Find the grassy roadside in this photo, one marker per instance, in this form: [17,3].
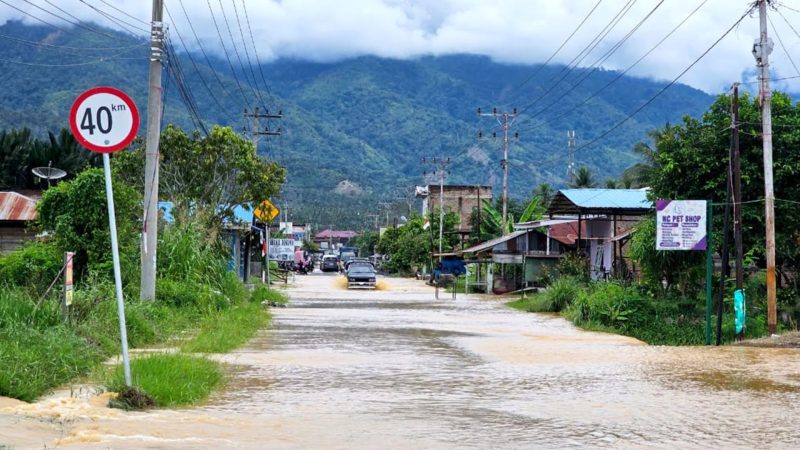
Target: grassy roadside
[226,330]
[629,310]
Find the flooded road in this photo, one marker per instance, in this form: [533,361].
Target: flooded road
[397,369]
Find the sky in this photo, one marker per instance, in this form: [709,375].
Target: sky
[508,31]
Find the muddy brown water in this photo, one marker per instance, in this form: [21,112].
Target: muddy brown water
[396,368]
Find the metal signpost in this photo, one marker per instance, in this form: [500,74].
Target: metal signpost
[105,120]
[686,225]
[266,212]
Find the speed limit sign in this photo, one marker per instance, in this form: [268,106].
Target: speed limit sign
[104,119]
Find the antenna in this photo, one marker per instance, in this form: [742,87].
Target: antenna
[49,173]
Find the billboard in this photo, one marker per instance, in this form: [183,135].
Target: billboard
[281,249]
[681,225]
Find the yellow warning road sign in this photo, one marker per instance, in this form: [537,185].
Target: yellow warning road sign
[266,211]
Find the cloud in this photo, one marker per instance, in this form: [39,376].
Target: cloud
[515,31]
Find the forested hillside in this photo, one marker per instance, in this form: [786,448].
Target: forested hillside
[365,120]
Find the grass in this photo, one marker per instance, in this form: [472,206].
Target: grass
[534,303]
[171,379]
[261,293]
[228,329]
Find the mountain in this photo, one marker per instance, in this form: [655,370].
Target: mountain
[354,131]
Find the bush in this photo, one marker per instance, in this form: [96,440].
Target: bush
[171,379]
[574,265]
[562,292]
[35,265]
[262,294]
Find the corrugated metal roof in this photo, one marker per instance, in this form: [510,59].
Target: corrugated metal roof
[345,234]
[598,201]
[488,244]
[16,207]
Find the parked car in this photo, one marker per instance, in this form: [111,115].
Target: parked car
[329,264]
[361,275]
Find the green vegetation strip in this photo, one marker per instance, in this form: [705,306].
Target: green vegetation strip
[171,379]
[228,329]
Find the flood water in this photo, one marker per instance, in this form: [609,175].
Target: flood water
[396,368]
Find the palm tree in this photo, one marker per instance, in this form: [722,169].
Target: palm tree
[611,183]
[544,192]
[583,179]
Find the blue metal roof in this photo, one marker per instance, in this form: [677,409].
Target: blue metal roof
[600,199]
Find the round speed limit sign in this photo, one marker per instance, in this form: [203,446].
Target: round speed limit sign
[104,119]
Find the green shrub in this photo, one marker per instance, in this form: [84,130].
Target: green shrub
[261,293]
[35,265]
[225,330]
[535,303]
[575,265]
[171,379]
[562,292]
[178,293]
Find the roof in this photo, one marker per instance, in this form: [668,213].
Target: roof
[16,207]
[491,243]
[543,223]
[333,234]
[600,201]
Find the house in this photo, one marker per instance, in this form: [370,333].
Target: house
[331,239]
[604,223]
[460,199]
[17,211]
[517,260]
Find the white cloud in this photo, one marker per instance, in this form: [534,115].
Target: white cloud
[519,31]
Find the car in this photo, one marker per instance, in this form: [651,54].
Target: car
[357,261]
[329,264]
[361,276]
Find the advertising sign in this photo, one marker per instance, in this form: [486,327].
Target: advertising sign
[281,249]
[681,225]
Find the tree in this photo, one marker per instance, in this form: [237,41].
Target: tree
[690,161]
[209,174]
[545,193]
[75,213]
[411,246]
[583,179]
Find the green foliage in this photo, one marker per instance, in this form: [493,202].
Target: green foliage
[76,212]
[664,271]
[538,303]
[410,246]
[562,292]
[35,265]
[584,179]
[208,175]
[171,379]
[574,264]
[223,331]
[263,294]
[366,241]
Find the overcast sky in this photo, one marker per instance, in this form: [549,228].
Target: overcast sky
[518,31]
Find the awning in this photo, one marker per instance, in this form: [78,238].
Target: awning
[491,243]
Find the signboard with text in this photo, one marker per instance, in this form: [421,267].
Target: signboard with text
[681,225]
[281,249]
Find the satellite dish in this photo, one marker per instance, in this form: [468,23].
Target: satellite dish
[49,173]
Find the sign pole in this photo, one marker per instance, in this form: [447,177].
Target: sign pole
[112,222]
[709,273]
[266,257]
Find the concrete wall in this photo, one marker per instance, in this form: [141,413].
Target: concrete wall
[459,199]
[14,234]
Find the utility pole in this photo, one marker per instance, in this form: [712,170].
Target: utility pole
[154,104]
[737,195]
[761,51]
[256,132]
[505,119]
[442,164]
[571,141]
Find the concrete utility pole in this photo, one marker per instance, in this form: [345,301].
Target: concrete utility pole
[154,104]
[571,141]
[256,132]
[505,119]
[761,50]
[442,163]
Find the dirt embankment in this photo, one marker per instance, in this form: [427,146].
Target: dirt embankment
[790,339]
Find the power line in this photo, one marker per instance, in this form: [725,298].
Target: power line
[588,71]
[255,50]
[225,50]
[236,50]
[78,24]
[175,69]
[75,50]
[247,54]
[621,74]
[120,22]
[553,55]
[125,13]
[196,68]
[205,55]
[670,84]
[781,40]
[567,69]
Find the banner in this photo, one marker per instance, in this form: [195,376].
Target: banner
[281,249]
[681,225]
